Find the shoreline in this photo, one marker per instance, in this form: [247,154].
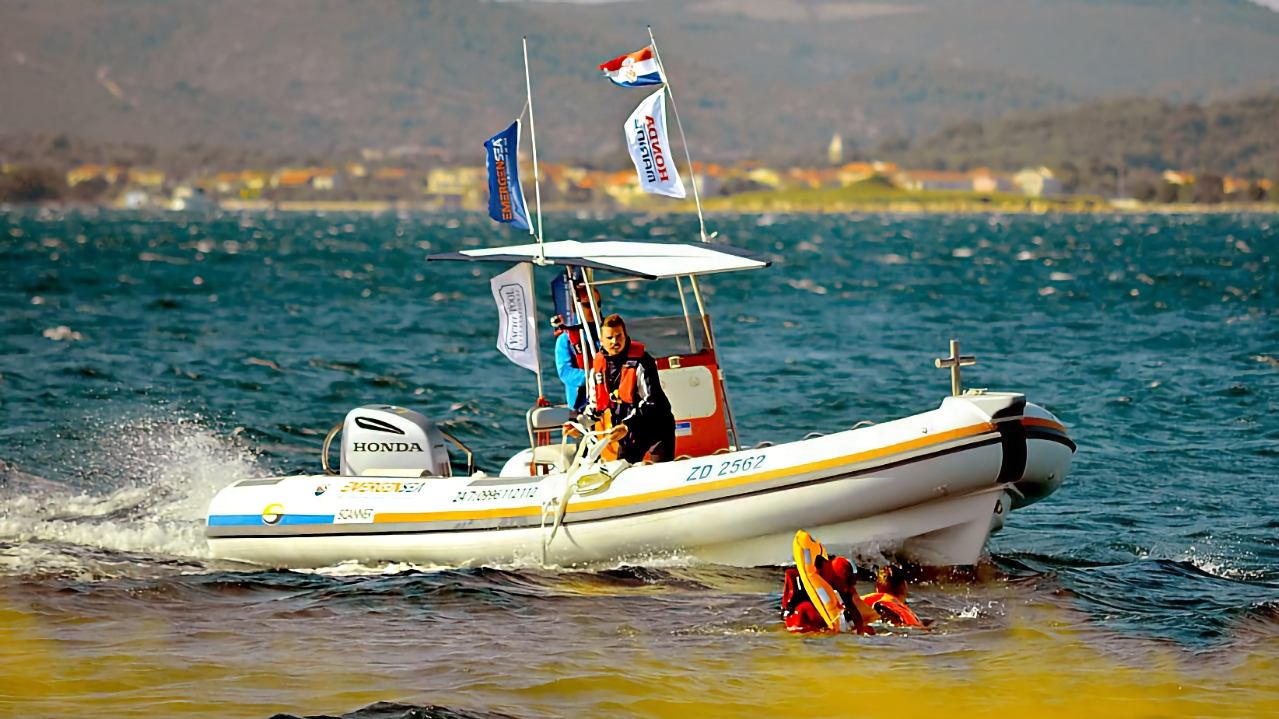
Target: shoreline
[716,207]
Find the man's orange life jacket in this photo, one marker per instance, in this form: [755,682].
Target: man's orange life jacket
[625,392]
[899,613]
[575,348]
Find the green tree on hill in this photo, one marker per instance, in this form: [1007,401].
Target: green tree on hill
[1089,145]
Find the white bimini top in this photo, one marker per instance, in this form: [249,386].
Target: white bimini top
[646,260]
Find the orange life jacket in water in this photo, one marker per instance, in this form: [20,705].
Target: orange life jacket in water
[625,392]
[892,609]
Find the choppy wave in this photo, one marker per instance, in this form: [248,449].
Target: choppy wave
[150,359]
[137,486]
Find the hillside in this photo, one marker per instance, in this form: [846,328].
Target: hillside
[1236,137]
[767,79]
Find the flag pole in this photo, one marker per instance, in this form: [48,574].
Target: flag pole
[701,219]
[541,395]
[537,184]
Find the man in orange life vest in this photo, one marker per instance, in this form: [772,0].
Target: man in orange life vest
[627,387]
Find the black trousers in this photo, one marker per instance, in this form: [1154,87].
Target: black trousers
[660,443]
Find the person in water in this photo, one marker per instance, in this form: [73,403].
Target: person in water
[821,572]
[800,614]
[889,598]
[629,397]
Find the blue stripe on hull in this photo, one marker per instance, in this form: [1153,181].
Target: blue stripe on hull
[255,520]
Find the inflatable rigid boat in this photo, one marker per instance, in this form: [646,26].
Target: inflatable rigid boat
[929,487]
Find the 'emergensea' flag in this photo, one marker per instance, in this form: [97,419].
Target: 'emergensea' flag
[634,70]
[506,198]
[650,149]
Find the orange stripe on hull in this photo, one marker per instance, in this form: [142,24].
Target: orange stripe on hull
[1040,422]
[798,469]
[914,444]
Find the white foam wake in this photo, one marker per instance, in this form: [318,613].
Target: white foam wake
[135,486]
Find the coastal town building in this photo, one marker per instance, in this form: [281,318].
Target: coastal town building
[1037,182]
[920,180]
[110,174]
[418,182]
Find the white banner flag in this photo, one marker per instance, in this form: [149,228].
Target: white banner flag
[517,337]
[650,149]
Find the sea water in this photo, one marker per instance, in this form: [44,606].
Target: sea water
[149,359]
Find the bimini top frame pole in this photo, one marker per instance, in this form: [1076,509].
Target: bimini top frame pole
[688,321]
[710,341]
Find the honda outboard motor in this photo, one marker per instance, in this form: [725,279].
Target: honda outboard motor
[385,437]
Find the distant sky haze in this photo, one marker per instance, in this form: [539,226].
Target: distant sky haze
[1272,4]
[345,75]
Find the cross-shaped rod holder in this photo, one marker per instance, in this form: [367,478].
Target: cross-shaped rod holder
[954,362]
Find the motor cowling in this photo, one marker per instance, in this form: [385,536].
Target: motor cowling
[385,437]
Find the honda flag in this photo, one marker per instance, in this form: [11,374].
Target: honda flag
[650,150]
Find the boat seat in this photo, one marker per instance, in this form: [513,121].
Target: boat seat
[556,456]
[545,420]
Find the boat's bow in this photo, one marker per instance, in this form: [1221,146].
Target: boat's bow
[1037,449]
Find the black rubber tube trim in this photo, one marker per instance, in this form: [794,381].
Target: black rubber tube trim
[1012,437]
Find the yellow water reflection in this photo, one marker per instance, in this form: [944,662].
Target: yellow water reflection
[1037,665]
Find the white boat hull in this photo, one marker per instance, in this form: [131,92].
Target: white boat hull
[924,487]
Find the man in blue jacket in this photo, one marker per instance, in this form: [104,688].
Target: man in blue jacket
[570,364]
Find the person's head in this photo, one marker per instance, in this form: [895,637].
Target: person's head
[889,580]
[613,335]
[588,315]
[843,576]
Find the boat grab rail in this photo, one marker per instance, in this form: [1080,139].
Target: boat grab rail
[859,425]
[470,456]
[324,450]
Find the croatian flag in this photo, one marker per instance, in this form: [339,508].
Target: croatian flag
[634,70]
[506,198]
